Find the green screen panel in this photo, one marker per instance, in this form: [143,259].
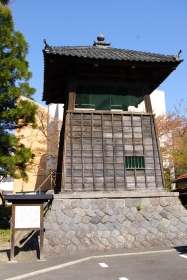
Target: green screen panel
[116,101]
[84,101]
[106,101]
[101,101]
[134,162]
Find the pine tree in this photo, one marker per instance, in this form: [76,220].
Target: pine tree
[15,111]
[4,2]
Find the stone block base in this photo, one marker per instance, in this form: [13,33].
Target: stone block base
[103,221]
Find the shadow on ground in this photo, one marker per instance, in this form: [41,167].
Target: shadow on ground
[29,247]
[181,249]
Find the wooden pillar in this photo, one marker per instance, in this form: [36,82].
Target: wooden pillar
[69,105]
[159,152]
[71,100]
[148,106]
[71,95]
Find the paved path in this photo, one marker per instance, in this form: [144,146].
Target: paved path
[149,265]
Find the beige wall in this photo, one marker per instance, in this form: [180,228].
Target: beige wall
[36,139]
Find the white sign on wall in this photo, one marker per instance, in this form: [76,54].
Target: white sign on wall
[27,216]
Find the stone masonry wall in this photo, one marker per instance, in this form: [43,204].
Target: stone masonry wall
[75,224]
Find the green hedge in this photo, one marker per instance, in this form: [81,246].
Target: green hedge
[5,215]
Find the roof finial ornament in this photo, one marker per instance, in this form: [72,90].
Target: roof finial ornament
[178,55]
[101,41]
[45,43]
[101,37]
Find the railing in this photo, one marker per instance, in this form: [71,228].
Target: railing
[52,178]
[41,181]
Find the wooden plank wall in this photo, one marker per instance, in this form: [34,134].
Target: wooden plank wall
[95,149]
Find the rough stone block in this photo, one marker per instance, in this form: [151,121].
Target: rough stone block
[132,202]
[114,223]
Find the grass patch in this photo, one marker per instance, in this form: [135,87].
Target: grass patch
[4,235]
[5,215]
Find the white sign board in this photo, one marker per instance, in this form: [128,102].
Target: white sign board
[27,216]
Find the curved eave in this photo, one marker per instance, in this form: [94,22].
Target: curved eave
[50,66]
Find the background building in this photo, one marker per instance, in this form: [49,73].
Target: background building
[36,139]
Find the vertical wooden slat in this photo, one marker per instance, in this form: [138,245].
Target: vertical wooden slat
[71,145]
[93,174]
[83,186]
[123,142]
[112,116]
[104,183]
[143,144]
[154,152]
[132,125]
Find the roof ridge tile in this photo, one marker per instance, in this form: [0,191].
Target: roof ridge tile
[110,53]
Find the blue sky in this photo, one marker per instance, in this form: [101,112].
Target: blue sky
[147,25]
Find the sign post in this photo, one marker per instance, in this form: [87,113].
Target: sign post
[27,214]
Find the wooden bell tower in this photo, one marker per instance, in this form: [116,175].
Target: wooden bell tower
[104,144]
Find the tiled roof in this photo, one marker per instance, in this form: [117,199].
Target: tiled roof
[182,177]
[108,53]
